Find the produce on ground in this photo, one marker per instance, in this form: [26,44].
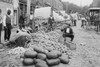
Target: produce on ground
[42,47]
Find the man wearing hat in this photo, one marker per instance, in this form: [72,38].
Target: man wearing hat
[50,22]
[7,25]
[68,32]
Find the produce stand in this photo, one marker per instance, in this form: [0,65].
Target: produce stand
[41,16]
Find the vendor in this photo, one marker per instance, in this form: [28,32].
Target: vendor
[50,22]
[68,32]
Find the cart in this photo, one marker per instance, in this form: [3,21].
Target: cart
[94,14]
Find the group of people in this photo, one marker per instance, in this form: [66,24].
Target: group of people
[25,27]
[5,22]
[67,30]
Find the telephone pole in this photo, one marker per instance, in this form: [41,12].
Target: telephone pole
[28,10]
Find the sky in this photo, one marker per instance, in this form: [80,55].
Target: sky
[80,2]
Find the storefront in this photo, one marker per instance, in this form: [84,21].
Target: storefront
[23,5]
[4,6]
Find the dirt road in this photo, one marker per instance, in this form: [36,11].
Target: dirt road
[88,48]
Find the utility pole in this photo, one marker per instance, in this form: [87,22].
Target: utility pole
[28,10]
[81,5]
[15,8]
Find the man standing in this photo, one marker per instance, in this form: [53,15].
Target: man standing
[32,23]
[21,21]
[7,25]
[0,24]
[50,21]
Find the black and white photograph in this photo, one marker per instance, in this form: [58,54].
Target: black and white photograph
[49,33]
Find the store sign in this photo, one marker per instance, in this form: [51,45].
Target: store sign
[16,4]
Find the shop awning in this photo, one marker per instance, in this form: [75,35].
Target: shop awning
[43,12]
[57,17]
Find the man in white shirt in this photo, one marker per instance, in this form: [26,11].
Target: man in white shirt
[31,21]
[0,24]
[68,32]
[7,25]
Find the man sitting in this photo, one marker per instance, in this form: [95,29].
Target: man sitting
[68,32]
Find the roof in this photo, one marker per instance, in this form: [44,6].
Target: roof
[95,8]
[25,1]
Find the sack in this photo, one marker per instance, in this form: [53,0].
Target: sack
[52,62]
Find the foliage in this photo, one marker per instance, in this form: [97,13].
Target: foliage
[70,7]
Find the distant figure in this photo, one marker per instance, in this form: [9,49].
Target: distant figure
[72,21]
[50,22]
[0,24]
[31,18]
[74,18]
[21,21]
[83,20]
[32,23]
[68,32]
[7,25]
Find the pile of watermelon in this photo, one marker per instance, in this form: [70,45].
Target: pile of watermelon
[39,57]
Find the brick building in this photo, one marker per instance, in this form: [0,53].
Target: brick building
[8,4]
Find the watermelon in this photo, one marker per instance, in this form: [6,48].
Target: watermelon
[39,50]
[30,54]
[52,55]
[52,62]
[41,56]
[28,61]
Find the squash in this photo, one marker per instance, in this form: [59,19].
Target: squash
[39,50]
[38,60]
[62,65]
[41,56]
[52,55]
[41,64]
[28,61]
[52,62]
[30,54]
